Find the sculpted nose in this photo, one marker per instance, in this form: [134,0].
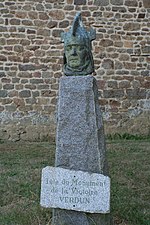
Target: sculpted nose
[74,52]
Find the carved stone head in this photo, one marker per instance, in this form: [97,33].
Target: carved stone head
[78,59]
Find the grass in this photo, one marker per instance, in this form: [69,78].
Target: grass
[129,169]
[20,171]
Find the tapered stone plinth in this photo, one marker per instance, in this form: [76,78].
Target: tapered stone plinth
[80,142]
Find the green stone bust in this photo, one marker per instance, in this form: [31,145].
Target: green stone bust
[78,59]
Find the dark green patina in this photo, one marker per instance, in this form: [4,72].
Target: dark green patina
[78,59]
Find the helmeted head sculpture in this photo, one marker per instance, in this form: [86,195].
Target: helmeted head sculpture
[78,59]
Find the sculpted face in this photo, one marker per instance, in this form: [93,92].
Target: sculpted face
[76,55]
[78,59]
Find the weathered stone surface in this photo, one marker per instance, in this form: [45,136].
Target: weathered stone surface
[25,93]
[80,2]
[112,84]
[43,16]
[132,3]
[108,64]
[27,22]
[136,93]
[101,2]
[8,86]
[57,32]
[131,26]
[33,14]
[57,14]
[116,93]
[2,41]
[3,58]
[64,24]
[119,9]
[146,50]
[106,42]
[116,2]
[75,190]
[146,3]
[39,7]
[124,57]
[80,141]
[26,67]
[15,21]
[52,24]
[3,93]
[2,74]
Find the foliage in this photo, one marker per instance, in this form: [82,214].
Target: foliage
[127,136]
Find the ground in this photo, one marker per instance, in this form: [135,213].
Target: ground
[20,170]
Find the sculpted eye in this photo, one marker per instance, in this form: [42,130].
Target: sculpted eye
[68,48]
[81,48]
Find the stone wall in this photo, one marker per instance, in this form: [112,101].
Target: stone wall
[31,57]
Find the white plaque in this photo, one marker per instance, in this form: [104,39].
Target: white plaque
[75,190]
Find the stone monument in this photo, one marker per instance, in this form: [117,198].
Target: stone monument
[78,187]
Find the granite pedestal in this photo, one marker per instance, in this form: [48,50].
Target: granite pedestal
[80,141]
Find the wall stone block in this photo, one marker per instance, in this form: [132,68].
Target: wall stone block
[124,84]
[6,80]
[57,14]
[25,94]
[3,58]
[124,57]
[80,2]
[145,73]
[27,67]
[43,16]
[43,86]
[57,32]
[1,109]
[101,2]
[3,93]
[131,3]
[39,7]
[113,93]
[48,93]
[2,41]
[106,42]
[30,86]
[21,14]
[146,3]
[64,24]
[119,9]
[3,29]
[131,26]
[43,32]
[15,21]
[30,101]
[35,94]
[33,15]
[6,101]
[116,2]
[52,24]
[27,22]
[2,74]
[108,64]
[8,86]
[10,108]
[112,84]
[136,93]
[146,50]
[36,81]
[130,66]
